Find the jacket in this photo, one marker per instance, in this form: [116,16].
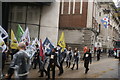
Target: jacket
[87,57]
[21,63]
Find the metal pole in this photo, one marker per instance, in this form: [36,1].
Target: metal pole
[26,16]
[40,22]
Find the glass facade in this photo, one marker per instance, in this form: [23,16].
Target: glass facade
[27,16]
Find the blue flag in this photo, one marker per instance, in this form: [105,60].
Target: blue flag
[105,21]
[47,45]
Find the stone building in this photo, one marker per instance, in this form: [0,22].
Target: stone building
[107,35]
[79,20]
[41,18]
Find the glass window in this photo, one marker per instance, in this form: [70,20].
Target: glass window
[33,30]
[33,14]
[19,15]
[14,27]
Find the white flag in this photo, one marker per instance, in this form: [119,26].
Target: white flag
[26,37]
[36,42]
[2,44]
[3,32]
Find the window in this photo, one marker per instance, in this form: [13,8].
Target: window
[19,16]
[26,16]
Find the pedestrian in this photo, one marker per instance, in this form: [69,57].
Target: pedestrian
[42,67]
[36,57]
[3,61]
[98,54]
[87,59]
[62,57]
[52,63]
[94,51]
[7,51]
[75,58]
[20,62]
[68,57]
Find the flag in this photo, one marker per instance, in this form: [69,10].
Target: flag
[2,44]
[47,45]
[3,33]
[41,50]
[61,41]
[14,42]
[26,37]
[36,42]
[19,33]
[105,21]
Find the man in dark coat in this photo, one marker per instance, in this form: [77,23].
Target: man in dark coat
[98,54]
[3,59]
[36,59]
[87,59]
[76,58]
[62,57]
[52,63]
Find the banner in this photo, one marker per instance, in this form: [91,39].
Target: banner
[19,33]
[105,22]
[41,50]
[61,41]
[36,42]
[3,33]
[2,44]
[26,37]
[47,45]
[14,42]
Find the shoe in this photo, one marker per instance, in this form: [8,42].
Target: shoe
[72,68]
[40,76]
[60,74]
[76,68]
[86,71]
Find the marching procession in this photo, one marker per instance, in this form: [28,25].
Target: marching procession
[27,55]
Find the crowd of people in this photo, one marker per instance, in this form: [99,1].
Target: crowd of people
[21,61]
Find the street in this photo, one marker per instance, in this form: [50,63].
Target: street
[105,68]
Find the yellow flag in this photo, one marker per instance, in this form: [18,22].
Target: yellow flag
[61,41]
[14,42]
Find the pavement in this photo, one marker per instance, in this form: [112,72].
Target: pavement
[105,68]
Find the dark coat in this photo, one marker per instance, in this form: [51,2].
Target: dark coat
[87,57]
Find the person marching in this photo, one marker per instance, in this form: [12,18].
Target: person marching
[98,54]
[62,57]
[36,57]
[52,63]
[87,59]
[20,63]
[68,57]
[42,68]
[76,58]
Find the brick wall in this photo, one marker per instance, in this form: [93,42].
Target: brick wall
[74,20]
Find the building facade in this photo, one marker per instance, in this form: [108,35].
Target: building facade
[41,19]
[76,22]
[81,22]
